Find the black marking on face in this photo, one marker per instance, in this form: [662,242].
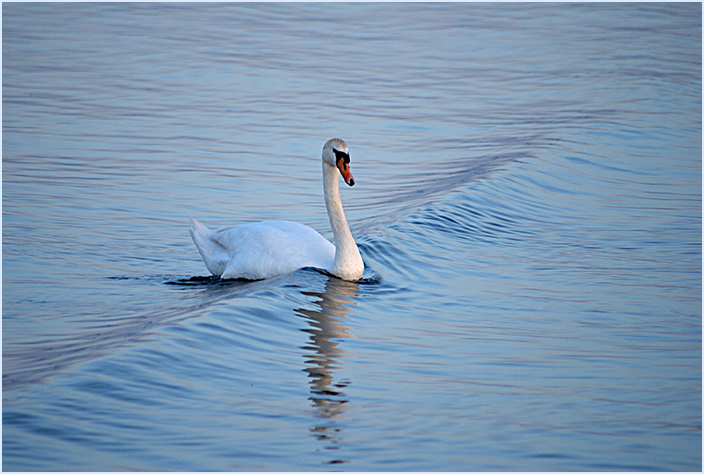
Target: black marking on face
[341,155]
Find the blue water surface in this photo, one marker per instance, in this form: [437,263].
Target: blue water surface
[528,207]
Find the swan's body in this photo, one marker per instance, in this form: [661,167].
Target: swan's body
[262,249]
[270,248]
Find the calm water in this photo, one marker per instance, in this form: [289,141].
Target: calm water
[528,207]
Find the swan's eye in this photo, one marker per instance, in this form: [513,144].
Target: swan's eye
[341,155]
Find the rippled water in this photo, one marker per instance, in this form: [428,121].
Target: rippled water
[528,208]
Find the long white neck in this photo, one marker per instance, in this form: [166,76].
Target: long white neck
[348,263]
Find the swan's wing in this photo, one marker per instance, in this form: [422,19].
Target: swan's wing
[269,248]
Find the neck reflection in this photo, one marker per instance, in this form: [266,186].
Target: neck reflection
[322,353]
[322,350]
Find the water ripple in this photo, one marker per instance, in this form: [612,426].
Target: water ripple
[528,209]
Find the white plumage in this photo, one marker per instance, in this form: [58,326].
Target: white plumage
[262,249]
[265,249]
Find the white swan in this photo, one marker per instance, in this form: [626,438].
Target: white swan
[269,248]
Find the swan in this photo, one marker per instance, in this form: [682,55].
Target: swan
[265,249]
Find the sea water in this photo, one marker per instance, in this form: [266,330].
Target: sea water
[528,207]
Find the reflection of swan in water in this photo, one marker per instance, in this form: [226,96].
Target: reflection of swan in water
[326,327]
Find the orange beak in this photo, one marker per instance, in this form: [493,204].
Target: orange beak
[345,172]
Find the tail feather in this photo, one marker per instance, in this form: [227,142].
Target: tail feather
[214,255]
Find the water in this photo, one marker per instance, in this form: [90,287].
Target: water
[528,207]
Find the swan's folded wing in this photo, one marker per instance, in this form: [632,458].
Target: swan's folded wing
[264,249]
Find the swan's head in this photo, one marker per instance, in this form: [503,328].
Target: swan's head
[336,153]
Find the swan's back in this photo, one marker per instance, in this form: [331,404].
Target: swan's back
[261,250]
